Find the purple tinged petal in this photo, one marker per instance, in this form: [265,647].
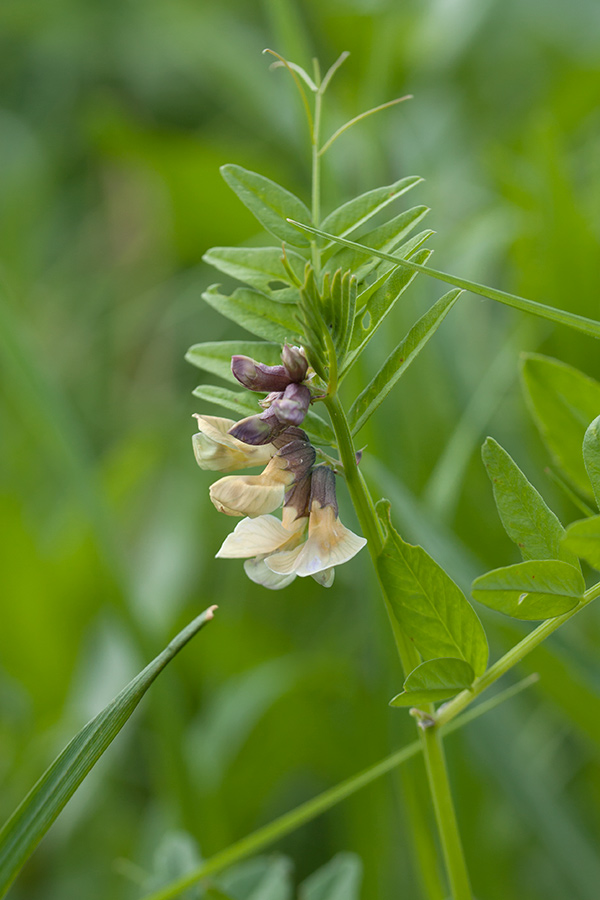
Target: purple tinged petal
[323,488]
[293,406]
[257,376]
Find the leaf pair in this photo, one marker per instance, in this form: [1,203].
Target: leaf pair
[435,617]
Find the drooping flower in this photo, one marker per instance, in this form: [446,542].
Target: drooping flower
[298,545]
[217,450]
[329,542]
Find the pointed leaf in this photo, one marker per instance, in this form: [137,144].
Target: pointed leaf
[243,403]
[269,202]
[399,360]
[39,809]
[215,356]
[583,538]
[429,607]
[256,313]
[563,402]
[339,879]
[535,589]
[528,522]
[259,267]
[591,456]
[435,680]
[351,215]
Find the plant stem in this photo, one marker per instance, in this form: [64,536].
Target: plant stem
[456,868]
[316,180]
[451,709]
[430,738]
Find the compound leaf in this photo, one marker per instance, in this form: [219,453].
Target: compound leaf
[583,539]
[435,680]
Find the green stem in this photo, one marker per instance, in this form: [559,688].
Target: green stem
[316,180]
[445,815]
[432,748]
[447,712]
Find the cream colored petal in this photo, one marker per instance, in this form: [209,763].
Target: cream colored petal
[219,451]
[322,552]
[253,537]
[326,577]
[285,561]
[257,571]
[246,495]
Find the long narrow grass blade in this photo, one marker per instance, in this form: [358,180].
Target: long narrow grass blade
[32,819]
[559,316]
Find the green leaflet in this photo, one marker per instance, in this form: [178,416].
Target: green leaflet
[257,313]
[380,304]
[399,360]
[258,267]
[429,607]
[559,316]
[269,202]
[534,589]
[435,680]
[386,270]
[591,456]
[243,404]
[339,879]
[385,238]
[563,401]
[351,215]
[264,878]
[528,522]
[41,806]
[583,538]
[215,356]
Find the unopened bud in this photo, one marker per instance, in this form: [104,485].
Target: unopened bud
[295,362]
[257,376]
[257,429]
[292,407]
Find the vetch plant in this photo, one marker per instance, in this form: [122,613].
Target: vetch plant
[315,297]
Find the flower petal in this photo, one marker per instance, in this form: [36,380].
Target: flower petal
[246,495]
[253,537]
[326,577]
[219,451]
[257,571]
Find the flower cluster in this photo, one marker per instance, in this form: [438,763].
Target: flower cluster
[309,539]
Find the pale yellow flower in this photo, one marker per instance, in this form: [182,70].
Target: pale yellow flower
[219,451]
[329,544]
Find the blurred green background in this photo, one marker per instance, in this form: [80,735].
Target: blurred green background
[114,118]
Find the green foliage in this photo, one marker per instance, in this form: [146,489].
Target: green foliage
[339,879]
[28,824]
[583,539]
[563,401]
[591,456]
[271,204]
[258,267]
[527,519]
[257,313]
[534,589]
[399,360]
[435,680]
[428,606]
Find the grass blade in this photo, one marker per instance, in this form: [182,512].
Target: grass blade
[32,819]
[558,316]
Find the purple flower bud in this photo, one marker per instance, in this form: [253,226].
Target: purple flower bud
[290,434]
[257,376]
[295,362]
[292,407]
[300,457]
[323,488]
[257,429]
